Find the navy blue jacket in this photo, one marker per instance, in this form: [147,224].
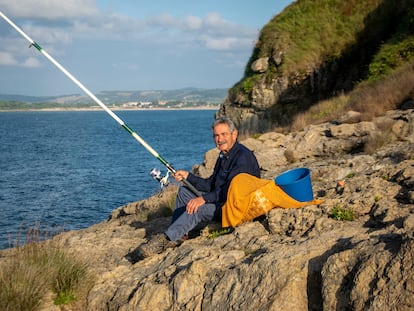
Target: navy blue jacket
[238,160]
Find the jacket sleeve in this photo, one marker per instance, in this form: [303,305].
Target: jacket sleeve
[203,184]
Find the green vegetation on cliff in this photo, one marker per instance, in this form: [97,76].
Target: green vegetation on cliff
[315,32]
[326,48]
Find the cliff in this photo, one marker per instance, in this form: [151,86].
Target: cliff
[289,259]
[321,50]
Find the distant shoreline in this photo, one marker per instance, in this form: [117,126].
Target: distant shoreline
[97,108]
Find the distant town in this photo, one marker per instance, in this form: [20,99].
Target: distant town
[167,105]
[188,98]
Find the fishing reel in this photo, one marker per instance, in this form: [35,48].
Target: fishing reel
[156,174]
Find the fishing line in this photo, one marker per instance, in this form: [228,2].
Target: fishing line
[100,103]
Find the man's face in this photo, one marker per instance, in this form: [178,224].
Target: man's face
[223,138]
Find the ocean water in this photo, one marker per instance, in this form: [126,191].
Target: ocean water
[70,169]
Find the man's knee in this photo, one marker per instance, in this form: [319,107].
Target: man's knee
[185,194]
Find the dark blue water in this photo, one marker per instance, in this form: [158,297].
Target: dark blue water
[71,169]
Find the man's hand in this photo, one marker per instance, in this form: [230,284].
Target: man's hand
[180,175]
[194,204]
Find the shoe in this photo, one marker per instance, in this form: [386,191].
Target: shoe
[156,245]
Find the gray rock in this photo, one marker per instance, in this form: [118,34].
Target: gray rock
[260,65]
[289,259]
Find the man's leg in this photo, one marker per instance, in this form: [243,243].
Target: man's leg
[181,223]
[186,222]
[183,196]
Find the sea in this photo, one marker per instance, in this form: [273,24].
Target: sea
[67,170]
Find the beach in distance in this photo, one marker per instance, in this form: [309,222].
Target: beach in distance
[116,108]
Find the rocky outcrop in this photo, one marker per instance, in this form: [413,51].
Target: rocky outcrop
[303,56]
[289,259]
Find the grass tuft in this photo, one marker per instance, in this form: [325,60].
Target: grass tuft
[342,214]
[216,233]
[31,271]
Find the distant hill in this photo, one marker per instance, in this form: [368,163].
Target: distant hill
[185,95]
[26,99]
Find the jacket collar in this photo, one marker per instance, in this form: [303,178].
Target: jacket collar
[231,152]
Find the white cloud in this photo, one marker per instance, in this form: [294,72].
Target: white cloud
[215,20]
[224,43]
[216,33]
[56,25]
[107,27]
[31,62]
[212,32]
[47,35]
[213,23]
[192,23]
[7,59]
[162,20]
[56,21]
[49,9]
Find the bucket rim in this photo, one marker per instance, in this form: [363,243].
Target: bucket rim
[308,171]
[295,169]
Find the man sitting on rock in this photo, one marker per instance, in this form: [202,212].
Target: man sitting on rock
[190,209]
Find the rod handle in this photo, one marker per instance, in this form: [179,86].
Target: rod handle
[191,187]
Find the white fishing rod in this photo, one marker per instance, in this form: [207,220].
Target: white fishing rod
[99,102]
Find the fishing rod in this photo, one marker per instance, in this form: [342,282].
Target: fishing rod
[99,102]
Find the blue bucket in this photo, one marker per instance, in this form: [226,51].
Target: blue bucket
[296,183]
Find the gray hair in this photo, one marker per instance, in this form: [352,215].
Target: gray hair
[224,120]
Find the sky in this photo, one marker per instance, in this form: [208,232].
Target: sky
[126,45]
